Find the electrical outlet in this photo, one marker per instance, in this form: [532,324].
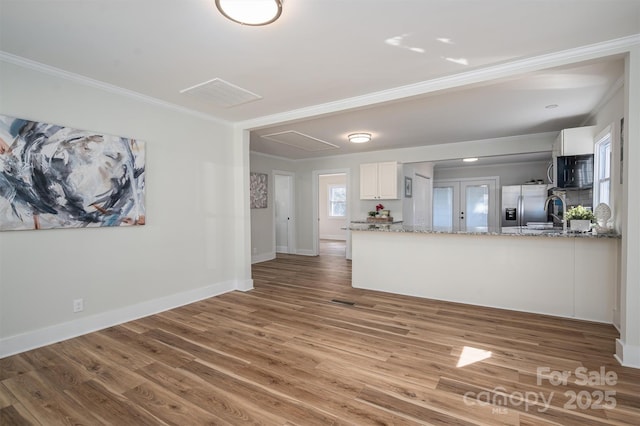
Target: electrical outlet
[78,305]
[255,250]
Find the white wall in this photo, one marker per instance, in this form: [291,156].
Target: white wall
[330,227]
[408,208]
[263,244]
[187,250]
[610,114]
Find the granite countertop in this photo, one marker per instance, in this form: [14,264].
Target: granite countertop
[383,227]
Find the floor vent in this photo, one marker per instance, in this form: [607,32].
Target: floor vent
[343,302]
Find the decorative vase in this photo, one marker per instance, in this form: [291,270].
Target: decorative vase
[580,225]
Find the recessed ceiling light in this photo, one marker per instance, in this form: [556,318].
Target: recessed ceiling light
[250,12]
[470,159]
[551,106]
[359,137]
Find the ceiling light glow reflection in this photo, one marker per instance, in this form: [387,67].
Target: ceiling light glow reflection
[459,61]
[398,41]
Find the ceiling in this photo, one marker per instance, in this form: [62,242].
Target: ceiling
[315,69]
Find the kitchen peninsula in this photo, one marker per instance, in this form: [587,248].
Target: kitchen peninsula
[567,275]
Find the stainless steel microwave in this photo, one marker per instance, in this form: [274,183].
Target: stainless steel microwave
[575,171]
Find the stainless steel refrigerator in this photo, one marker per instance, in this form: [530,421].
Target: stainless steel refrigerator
[522,204]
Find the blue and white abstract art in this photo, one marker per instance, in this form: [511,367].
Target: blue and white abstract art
[58,177]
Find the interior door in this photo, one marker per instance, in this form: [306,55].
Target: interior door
[283,188]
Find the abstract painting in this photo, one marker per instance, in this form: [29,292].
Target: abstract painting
[258,190]
[53,176]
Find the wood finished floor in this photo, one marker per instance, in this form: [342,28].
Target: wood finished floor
[285,354]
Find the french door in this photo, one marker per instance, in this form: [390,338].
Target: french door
[465,205]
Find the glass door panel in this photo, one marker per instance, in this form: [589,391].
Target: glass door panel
[475,208]
[446,207]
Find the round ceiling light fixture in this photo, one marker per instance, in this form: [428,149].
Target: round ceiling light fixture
[359,137]
[470,159]
[250,12]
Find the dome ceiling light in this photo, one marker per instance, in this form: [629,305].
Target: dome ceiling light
[359,137]
[250,12]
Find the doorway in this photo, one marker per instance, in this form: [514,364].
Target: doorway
[284,211]
[466,205]
[331,212]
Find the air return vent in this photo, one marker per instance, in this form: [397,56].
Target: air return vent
[221,93]
[300,141]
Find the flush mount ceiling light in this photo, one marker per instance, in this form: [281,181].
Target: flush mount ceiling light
[470,159]
[359,137]
[250,12]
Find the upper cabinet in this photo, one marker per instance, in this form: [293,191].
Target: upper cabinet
[576,141]
[379,181]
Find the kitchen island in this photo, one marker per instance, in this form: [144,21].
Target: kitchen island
[567,275]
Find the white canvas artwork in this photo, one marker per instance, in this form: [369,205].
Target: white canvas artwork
[59,177]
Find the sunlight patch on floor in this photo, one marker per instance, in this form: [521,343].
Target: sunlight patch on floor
[471,355]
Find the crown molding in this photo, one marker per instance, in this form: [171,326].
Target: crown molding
[100,85]
[508,69]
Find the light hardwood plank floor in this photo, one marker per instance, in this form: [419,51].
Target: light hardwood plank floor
[305,348]
[333,248]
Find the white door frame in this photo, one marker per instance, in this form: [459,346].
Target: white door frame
[291,229]
[315,191]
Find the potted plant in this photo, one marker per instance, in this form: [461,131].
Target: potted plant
[579,218]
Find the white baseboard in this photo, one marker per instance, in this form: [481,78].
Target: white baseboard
[245,285]
[45,336]
[282,249]
[333,237]
[627,355]
[305,252]
[264,257]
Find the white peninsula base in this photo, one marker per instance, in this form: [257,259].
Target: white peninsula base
[563,276]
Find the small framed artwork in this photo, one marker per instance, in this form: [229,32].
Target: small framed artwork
[258,190]
[408,187]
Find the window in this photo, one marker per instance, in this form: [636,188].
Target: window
[337,200]
[602,169]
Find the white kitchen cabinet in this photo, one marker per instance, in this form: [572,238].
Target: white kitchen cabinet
[379,181]
[576,141]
